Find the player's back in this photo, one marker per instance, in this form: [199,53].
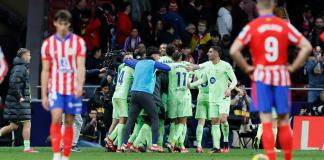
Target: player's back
[268,38]
[124,80]
[178,78]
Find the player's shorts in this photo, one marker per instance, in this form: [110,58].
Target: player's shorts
[120,108]
[266,96]
[202,109]
[68,103]
[179,108]
[224,106]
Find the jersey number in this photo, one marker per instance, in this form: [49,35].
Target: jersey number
[121,77]
[184,83]
[272,49]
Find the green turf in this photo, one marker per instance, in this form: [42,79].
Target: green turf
[98,154]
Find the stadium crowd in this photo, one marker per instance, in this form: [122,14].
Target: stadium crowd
[117,29]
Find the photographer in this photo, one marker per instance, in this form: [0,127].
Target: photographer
[89,131]
[318,106]
[101,101]
[315,69]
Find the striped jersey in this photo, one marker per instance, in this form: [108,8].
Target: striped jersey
[62,55]
[268,38]
[3,66]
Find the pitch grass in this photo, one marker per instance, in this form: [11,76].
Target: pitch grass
[7,153]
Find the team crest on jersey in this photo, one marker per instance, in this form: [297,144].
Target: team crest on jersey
[212,80]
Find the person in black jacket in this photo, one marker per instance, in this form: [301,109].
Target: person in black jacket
[18,108]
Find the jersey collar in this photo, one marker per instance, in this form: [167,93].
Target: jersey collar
[266,15]
[66,37]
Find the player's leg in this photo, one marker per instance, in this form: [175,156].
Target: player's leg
[56,102]
[264,99]
[148,103]
[181,122]
[26,136]
[257,139]
[201,115]
[182,140]
[172,117]
[7,129]
[123,114]
[224,112]
[215,122]
[136,130]
[113,130]
[77,129]
[138,140]
[282,100]
[133,112]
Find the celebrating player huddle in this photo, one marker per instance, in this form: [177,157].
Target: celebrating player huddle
[160,87]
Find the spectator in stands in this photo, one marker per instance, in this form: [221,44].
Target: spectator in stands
[308,21]
[107,24]
[158,28]
[132,41]
[95,59]
[18,109]
[140,51]
[91,36]
[202,37]
[215,39]
[240,18]
[188,33]
[318,106]
[77,12]
[250,9]
[224,20]
[146,29]
[168,35]
[89,131]
[123,24]
[139,7]
[314,35]
[225,45]
[178,44]
[174,19]
[191,11]
[315,69]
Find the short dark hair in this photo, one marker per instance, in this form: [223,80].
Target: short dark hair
[217,49]
[21,51]
[176,56]
[170,49]
[63,15]
[214,33]
[124,6]
[151,50]
[203,21]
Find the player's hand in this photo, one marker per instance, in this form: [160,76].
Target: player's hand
[188,85]
[45,103]
[103,70]
[228,92]
[78,92]
[189,68]
[249,70]
[21,100]
[290,69]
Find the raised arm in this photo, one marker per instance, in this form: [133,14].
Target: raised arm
[162,66]
[199,82]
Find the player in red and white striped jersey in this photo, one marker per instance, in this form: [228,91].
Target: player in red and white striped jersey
[3,66]
[62,78]
[268,38]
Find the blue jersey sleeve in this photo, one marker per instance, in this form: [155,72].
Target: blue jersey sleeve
[130,63]
[162,66]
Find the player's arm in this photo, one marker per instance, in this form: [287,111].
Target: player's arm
[81,75]
[162,66]
[236,53]
[199,82]
[44,83]
[232,77]
[130,63]
[305,50]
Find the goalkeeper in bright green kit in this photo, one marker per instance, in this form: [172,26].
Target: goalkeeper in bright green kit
[219,74]
[179,100]
[120,105]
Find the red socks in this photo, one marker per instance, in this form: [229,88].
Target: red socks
[67,141]
[268,141]
[285,140]
[55,132]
